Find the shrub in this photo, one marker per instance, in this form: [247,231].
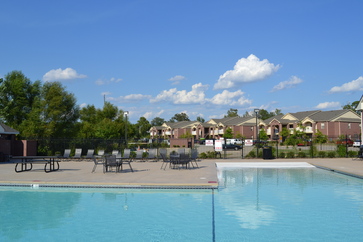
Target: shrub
[331,154]
[282,155]
[321,154]
[290,154]
[301,154]
[352,153]
[203,155]
[251,154]
[341,150]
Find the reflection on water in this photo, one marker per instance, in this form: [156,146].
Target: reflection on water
[22,211]
[268,200]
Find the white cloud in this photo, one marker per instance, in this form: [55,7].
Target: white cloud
[176,79]
[83,105]
[151,115]
[59,74]
[230,98]
[101,82]
[248,69]
[355,85]
[328,105]
[292,82]
[129,98]
[196,95]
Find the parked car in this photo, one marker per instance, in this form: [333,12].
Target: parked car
[357,143]
[348,142]
[231,147]
[304,143]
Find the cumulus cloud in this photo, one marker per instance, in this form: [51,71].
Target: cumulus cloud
[292,82]
[248,69]
[355,85]
[129,98]
[176,79]
[101,82]
[59,74]
[230,98]
[196,95]
[328,105]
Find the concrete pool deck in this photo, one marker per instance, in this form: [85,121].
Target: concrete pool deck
[148,174]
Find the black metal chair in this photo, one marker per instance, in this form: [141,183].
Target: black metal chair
[165,161]
[110,161]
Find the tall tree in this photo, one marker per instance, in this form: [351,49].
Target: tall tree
[231,113]
[17,95]
[142,126]
[200,119]
[179,117]
[157,121]
[352,106]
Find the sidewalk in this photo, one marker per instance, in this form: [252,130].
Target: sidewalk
[149,174]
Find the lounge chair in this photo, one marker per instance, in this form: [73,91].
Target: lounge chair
[126,153]
[101,152]
[66,155]
[115,152]
[139,155]
[77,154]
[110,161]
[90,154]
[152,155]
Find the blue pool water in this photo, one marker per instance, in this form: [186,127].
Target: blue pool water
[252,204]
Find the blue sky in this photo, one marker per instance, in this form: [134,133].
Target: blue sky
[162,57]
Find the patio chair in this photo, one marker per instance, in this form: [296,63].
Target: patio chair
[77,154]
[165,161]
[101,152]
[193,157]
[152,155]
[184,160]
[90,153]
[124,160]
[110,161]
[98,160]
[181,151]
[162,151]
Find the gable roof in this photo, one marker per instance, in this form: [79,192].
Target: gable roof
[4,129]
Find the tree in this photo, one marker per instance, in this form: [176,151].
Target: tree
[200,119]
[263,135]
[228,133]
[352,106]
[59,110]
[157,121]
[142,126]
[179,117]
[231,113]
[17,95]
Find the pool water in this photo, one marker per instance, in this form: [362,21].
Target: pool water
[252,204]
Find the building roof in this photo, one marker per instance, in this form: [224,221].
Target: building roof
[4,129]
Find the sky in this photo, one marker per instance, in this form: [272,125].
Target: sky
[163,57]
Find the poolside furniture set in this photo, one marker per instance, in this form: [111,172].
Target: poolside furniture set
[25,163]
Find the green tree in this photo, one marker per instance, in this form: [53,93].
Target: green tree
[231,113]
[228,133]
[320,138]
[179,117]
[351,106]
[263,135]
[59,110]
[17,95]
[142,126]
[200,119]
[157,121]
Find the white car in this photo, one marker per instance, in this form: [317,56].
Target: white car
[357,143]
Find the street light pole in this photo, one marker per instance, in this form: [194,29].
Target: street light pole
[257,133]
[126,113]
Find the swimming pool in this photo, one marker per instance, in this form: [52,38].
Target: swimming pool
[252,204]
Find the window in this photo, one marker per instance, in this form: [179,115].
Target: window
[322,125]
[349,126]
